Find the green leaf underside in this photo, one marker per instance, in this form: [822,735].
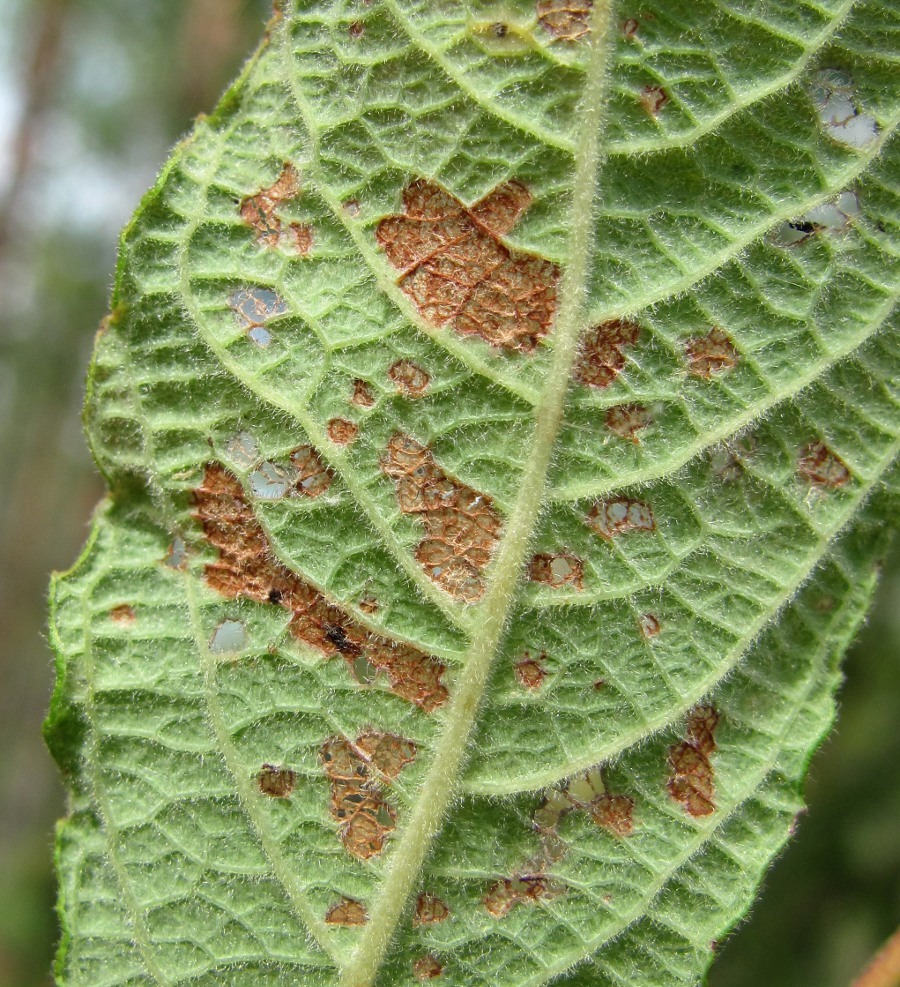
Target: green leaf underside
[767,480]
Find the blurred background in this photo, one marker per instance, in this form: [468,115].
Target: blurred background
[92,95]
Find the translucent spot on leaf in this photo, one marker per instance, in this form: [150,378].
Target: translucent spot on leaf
[259,211]
[501,36]
[565,20]
[409,379]
[352,208]
[653,99]
[505,894]
[313,476]
[585,792]
[342,432]
[247,568]
[242,448]
[347,912]
[229,636]
[833,95]
[176,557]
[270,481]
[557,570]
[427,968]
[649,625]
[602,354]
[711,354]
[692,777]
[253,307]
[609,518]
[358,773]
[530,671]
[430,910]
[627,420]
[833,217]
[277,783]
[123,614]
[356,30]
[821,467]
[363,395]
[458,273]
[461,525]
[630,27]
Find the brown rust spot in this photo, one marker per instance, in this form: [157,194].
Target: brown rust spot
[430,910]
[246,568]
[313,476]
[566,20]
[409,379]
[427,968]
[123,614]
[528,889]
[358,773]
[461,525]
[653,99]
[458,273]
[277,783]
[363,395]
[609,518]
[259,211]
[342,432]
[586,792]
[692,777]
[821,467]
[614,813]
[602,353]
[630,27]
[627,420]
[530,671]
[348,913]
[557,569]
[649,625]
[711,354]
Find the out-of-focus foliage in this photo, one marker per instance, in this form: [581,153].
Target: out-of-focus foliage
[125,77]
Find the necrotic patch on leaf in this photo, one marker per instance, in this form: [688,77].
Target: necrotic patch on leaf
[833,217]
[358,773]
[313,476]
[427,968]
[246,568]
[627,420]
[601,356]
[835,102]
[609,518]
[277,783]
[409,379]
[528,889]
[363,396]
[458,273]
[565,20]
[585,792]
[711,354]
[692,777]
[430,910]
[342,432]
[557,569]
[653,99]
[461,525]
[649,625]
[530,671]
[821,467]
[123,614]
[347,912]
[254,307]
[259,212]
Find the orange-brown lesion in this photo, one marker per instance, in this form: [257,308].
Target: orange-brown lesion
[247,568]
[260,212]
[457,271]
[692,776]
[462,527]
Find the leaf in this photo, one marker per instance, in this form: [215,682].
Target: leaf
[498,407]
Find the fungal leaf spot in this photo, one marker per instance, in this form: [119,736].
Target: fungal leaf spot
[832,217]
[458,273]
[692,777]
[427,968]
[358,773]
[529,889]
[123,614]
[821,467]
[557,569]
[313,476]
[270,481]
[649,625]
[363,395]
[348,913]
[530,671]
[253,308]
[565,20]
[259,212]
[410,380]
[246,568]
[461,525]
[711,354]
[430,910]
[277,783]
[176,556]
[626,420]
[653,99]
[602,354]
[585,792]
[342,432]
[834,99]
[609,518]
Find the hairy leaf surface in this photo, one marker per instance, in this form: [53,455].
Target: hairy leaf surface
[498,407]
